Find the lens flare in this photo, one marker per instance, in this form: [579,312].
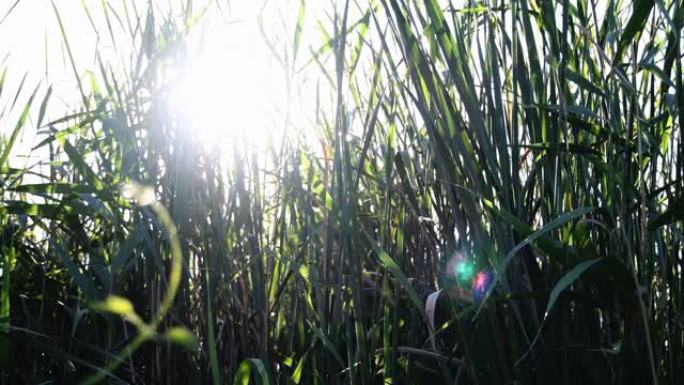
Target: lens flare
[464,271]
[482,282]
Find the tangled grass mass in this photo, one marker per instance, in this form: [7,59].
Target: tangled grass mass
[481,192]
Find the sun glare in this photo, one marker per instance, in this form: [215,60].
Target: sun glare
[230,90]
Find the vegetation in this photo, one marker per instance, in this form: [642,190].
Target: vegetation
[541,139]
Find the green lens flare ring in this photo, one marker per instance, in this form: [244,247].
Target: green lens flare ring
[464,272]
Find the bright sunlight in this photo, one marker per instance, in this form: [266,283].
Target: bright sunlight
[230,89]
[306,192]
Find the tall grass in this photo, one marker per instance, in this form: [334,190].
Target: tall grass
[541,139]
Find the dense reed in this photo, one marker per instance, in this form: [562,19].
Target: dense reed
[541,139]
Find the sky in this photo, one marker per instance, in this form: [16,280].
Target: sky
[31,47]
[232,74]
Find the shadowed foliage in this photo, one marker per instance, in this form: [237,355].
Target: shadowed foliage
[539,140]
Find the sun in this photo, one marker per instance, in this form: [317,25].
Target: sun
[230,89]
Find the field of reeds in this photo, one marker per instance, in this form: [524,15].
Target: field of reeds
[539,141]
